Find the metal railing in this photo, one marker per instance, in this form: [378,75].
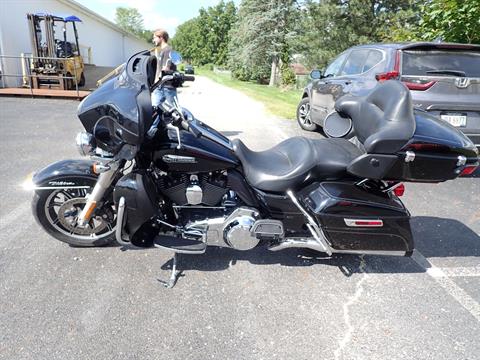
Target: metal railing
[27,76]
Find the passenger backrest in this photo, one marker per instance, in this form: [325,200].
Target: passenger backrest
[383,121]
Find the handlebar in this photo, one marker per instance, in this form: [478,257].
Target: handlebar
[176,79]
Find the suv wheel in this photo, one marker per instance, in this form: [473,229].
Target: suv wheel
[303,115]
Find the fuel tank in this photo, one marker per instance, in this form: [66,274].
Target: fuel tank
[210,152]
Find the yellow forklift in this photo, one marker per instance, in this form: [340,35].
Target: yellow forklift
[56,62]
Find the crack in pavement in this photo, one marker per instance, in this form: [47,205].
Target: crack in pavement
[346,310]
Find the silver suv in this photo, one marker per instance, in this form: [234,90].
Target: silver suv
[444,79]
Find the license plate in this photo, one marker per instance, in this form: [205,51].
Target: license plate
[455,119]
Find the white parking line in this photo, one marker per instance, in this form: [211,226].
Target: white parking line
[442,278]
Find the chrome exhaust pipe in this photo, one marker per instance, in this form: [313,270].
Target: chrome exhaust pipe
[315,230]
[298,243]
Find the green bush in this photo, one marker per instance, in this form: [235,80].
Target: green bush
[288,76]
[181,67]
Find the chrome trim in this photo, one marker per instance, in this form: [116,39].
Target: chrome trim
[58,187]
[391,188]
[84,142]
[177,131]
[170,159]
[409,156]
[371,252]
[298,243]
[120,222]
[197,207]
[103,183]
[461,160]
[312,226]
[352,222]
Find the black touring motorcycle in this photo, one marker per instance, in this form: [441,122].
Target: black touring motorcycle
[158,176]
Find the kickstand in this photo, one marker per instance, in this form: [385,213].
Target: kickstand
[174,275]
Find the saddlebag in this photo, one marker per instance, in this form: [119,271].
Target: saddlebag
[356,221]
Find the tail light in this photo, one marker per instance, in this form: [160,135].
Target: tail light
[419,85]
[468,170]
[399,190]
[391,75]
[427,147]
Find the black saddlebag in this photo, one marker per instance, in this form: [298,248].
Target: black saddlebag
[354,220]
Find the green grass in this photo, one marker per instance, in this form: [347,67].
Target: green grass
[279,102]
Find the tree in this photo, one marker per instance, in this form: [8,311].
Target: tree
[450,20]
[260,39]
[129,19]
[331,26]
[205,38]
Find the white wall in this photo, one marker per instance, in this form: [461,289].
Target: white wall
[110,46]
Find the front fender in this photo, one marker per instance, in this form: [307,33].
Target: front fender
[64,174]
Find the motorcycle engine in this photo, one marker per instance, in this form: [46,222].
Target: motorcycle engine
[206,189]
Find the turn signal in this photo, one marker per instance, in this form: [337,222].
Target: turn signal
[399,190]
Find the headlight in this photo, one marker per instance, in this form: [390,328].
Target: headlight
[85,143]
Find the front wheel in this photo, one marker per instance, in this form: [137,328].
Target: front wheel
[304,117]
[57,210]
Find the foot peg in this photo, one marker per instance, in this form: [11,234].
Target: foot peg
[179,244]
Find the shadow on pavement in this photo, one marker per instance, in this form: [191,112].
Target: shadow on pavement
[433,237]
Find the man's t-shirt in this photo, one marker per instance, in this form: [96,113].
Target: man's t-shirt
[162,56]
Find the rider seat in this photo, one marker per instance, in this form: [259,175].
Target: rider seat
[292,162]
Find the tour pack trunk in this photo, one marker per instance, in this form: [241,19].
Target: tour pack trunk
[355,220]
[436,152]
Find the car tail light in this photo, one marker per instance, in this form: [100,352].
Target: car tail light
[387,76]
[399,190]
[419,85]
[468,170]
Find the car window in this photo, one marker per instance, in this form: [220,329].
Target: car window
[355,62]
[334,67]
[373,58]
[425,62]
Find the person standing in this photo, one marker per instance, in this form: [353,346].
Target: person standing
[164,63]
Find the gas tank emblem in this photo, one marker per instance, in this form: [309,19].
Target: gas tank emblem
[170,159]
[462,82]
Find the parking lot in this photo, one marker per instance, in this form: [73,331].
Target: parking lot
[59,302]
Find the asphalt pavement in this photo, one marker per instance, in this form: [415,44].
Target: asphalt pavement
[60,302]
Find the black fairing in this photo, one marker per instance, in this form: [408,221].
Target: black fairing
[120,110]
[334,202]
[140,199]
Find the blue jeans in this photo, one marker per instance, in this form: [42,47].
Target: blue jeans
[163,94]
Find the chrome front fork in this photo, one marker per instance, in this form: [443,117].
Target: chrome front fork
[103,183]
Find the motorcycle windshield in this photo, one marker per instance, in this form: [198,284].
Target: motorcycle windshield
[120,110]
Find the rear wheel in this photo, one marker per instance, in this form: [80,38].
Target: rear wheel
[57,211]
[303,115]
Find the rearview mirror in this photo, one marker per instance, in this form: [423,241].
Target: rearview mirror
[316,74]
[175,57]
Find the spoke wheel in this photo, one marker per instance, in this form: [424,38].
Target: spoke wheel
[304,116]
[57,212]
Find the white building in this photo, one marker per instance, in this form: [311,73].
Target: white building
[102,43]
